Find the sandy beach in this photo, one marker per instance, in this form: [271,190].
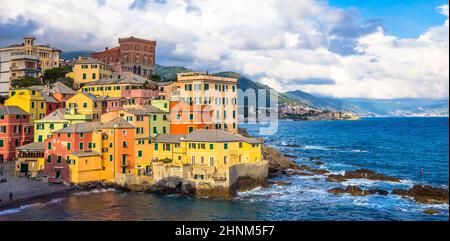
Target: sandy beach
[25,190]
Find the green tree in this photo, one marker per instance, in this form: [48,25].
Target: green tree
[52,75]
[155,78]
[25,81]
[67,81]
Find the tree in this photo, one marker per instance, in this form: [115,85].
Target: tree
[52,75]
[67,81]
[155,78]
[25,81]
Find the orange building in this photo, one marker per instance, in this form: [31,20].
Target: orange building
[118,145]
[184,117]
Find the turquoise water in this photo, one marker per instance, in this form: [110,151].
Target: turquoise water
[399,147]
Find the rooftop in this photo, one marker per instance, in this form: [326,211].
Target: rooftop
[118,123]
[204,135]
[34,146]
[12,110]
[85,153]
[55,115]
[81,127]
[125,78]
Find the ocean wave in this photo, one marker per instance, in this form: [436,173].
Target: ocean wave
[83,193]
[16,210]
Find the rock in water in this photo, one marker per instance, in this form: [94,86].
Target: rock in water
[357,191]
[424,194]
[280,183]
[277,161]
[430,211]
[368,174]
[335,178]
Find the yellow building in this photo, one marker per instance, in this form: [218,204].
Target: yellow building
[30,159]
[86,166]
[84,106]
[30,100]
[218,92]
[54,121]
[86,70]
[209,153]
[120,85]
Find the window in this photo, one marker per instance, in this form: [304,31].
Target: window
[69,146]
[154,117]
[81,135]
[139,153]
[155,131]
[211,161]
[59,159]
[225,160]
[49,145]
[94,76]
[111,158]
[124,144]
[81,146]
[49,159]
[156,146]
[211,146]
[84,76]
[178,116]
[84,66]
[193,160]
[52,126]
[1,143]
[164,130]
[225,146]
[191,116]
[90,145]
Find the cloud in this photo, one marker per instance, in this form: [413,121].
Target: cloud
[288,44]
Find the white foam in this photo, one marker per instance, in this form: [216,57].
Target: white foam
[16,210]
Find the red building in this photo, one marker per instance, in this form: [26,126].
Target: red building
[184,118]
[51,103]
[15,131]
[77,137]
[132,55]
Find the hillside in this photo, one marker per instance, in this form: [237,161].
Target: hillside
[74,54]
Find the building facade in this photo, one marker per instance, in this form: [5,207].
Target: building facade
[218,92]
[26,59]
[132,55]
[15,131]
[30,100]
[86,70]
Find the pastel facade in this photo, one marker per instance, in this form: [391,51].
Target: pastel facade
[30,100]
[57,120]
[185,118]
[203,155]
[132,55]
[25,59]
[58,148]
[15,131]
[84,105]
[86,70]
[218,92]
[29,160]
[122,85]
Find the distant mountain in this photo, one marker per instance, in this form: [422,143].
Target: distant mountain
[364,107]
[169,72]
[74,54]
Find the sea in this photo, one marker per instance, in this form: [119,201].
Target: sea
[413,149]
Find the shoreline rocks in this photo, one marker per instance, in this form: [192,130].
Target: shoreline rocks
[424,194]
[361,174]
[357,191]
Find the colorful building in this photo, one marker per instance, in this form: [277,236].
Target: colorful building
[86,70]
[84,105]
[57,120]
[25,59]
[118,142]
[132,55]
[218,92]
[51,104]
[165,89]
[203,154]
[77,137]
[30,100]
[86,166]
[30,159]
[60,92]
[161,104]
[15,131]
[122,85]
[185,118]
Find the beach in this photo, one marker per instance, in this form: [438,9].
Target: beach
[26,190]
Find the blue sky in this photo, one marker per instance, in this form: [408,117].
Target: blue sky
[402,18]
[337,48]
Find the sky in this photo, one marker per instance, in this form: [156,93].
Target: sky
[337,48]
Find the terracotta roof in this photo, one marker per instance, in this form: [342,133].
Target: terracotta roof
[152,109]
[204,135]
[81,127]
[12,110]
[118,123]
[85,153]
[34,146]
[88,61]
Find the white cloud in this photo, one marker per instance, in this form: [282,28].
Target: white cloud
[288,44]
